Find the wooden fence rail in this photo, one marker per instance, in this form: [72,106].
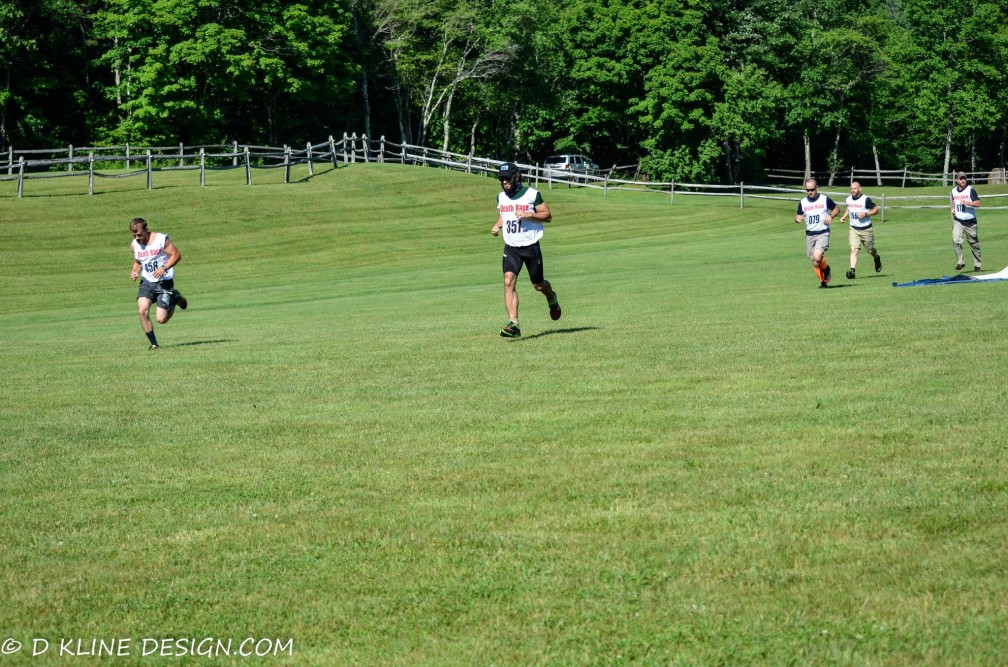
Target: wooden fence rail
[880,177]
[122,162]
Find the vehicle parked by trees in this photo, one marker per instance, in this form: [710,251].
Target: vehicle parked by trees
[570,163]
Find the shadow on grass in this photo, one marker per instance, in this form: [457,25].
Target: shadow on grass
[550,332]
[201,342]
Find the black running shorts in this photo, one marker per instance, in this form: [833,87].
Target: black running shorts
[530,256]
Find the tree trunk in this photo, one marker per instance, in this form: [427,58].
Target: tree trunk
[472,139]
[118,77]
[878,169]
[514,129]
[271,129]
[834,156]
[728,161]
[365,97]
[948,152]
[4,139]
[447,123]
[808,157]
[404,127]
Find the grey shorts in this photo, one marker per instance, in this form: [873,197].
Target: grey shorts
[820,241]
[160,293]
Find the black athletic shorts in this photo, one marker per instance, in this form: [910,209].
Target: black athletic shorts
[530,256]
[160,292]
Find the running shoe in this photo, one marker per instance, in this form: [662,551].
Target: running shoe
[555,307]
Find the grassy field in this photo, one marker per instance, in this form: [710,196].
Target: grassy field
[707,460]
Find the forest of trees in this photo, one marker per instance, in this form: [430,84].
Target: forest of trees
[697,90]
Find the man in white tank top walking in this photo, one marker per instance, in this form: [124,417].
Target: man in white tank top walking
[965,202]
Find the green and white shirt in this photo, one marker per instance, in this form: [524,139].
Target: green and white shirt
[520,233]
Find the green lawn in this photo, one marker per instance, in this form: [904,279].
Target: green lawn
[707,460]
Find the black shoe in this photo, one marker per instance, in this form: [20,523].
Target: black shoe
[977,269]
[878,263]
[181,300]
[511,330]
[555,308]
[850,274]
[828,274]
[823,285]
[960,266]
[155,346]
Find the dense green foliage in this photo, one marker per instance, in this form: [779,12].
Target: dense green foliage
[707,461]
[708,91]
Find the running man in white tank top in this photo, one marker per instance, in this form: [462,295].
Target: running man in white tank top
[154,260]
[817,212]
[858,212]
[521,215]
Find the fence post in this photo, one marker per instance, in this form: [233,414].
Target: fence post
[903,183]
[367,148]
[20,177]
[353,147]
[234,153]
[90,180]
[332,150]
[742,194]
[287,154]
[248,168]
[671,190]
[311,169]
[10,160]
[202,167]
[883,207]
[150,170]
[70,154]
[127,156]
[345,160]
[381,155]
[181,155]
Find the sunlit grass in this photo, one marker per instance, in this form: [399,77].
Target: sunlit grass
[708,460]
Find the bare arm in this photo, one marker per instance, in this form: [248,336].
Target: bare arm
[174,257]
[540,213]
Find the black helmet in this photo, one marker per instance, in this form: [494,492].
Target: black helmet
[510,172]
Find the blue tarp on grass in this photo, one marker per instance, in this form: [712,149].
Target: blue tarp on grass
[957,279]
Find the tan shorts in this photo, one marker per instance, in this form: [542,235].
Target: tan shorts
[859,237]
[820,241]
